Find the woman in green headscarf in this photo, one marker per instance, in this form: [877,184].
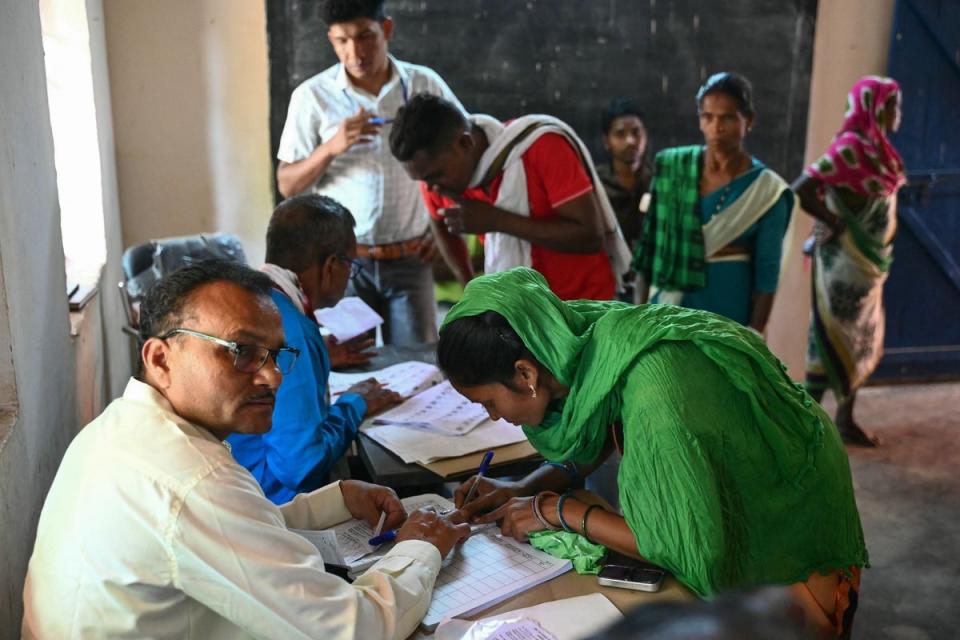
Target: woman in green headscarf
[731,476]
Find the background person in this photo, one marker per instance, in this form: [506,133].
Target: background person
[311,251]
[331,144]
[528,185]
[714,233]
[626,177]
[851,190]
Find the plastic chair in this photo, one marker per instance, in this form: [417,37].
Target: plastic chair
[144,264]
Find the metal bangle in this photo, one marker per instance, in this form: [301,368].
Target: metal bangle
[539,514]
[563,523]
[583,522]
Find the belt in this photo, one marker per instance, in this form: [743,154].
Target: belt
[392,251]
[732,251]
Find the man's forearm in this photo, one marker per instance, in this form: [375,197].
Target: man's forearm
[297,177]
[454,250]
[560,234]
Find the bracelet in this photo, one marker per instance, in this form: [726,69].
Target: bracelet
[583,522]
[563,523]
[539,514]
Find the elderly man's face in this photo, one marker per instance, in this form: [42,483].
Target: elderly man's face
[201,381]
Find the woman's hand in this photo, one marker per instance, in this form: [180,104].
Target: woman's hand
[490,494]
[516,518]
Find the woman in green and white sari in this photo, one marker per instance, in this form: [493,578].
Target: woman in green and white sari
[851,191]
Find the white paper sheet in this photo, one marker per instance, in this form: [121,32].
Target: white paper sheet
[407,378]
[567,619]
[488,568]
[440,409]
[349,318]
[349,539]
[325,540]
[413,445]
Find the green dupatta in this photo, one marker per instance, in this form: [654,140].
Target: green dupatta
[590,346]
[670,254]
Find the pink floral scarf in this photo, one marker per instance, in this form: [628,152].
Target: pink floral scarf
[861,158]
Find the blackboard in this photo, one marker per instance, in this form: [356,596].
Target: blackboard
[569,58]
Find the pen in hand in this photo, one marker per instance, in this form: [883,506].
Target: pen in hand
[386,536]
[484,465]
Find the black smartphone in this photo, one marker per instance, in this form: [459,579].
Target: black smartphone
[629,573]
[631,577]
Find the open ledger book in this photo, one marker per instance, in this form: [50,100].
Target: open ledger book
[478,574]
[434,422]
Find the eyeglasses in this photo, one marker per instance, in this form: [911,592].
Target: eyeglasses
[248,358]
[355,265]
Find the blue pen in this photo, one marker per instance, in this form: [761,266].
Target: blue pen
[386,536]
[484,465]
[379,120]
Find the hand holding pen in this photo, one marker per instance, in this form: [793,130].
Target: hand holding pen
[484,465]
[358,128]
[428,525]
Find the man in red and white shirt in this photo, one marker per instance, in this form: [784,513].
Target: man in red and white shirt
[527,185]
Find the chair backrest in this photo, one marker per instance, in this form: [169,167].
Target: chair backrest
[146,263]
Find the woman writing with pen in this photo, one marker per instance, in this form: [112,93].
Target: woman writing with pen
[731,476]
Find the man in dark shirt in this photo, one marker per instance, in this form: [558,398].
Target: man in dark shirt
[627,176]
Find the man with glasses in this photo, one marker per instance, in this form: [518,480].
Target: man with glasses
[334,143]
[311,252]
[151,528]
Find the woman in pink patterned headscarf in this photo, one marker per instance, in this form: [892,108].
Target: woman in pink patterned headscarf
[851,191]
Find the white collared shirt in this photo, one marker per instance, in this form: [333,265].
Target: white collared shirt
[151,529]
[367,179]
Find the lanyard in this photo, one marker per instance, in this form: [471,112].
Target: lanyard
[353,102]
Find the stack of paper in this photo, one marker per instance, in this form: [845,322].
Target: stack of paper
[407,378]
[434,422]
[412,445]
[440,409]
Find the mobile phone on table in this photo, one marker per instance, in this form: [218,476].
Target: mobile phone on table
[628,573]
[639,578]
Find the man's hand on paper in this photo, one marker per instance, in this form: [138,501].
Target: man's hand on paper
[377,396]
[430,526]
[352,353]
[517,519]
[491,493]
[367,501]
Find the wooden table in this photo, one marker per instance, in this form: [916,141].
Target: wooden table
[572,584]
[408,478]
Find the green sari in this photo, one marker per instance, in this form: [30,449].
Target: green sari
[731,475]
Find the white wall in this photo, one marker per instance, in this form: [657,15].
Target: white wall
[852,40]
[190,99]
[31,259]
[116,346]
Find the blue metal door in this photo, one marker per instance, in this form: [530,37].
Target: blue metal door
[922,294]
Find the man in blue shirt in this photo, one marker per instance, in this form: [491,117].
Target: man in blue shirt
[311,251]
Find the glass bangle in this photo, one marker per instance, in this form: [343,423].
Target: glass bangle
[563,523]
[583,522]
